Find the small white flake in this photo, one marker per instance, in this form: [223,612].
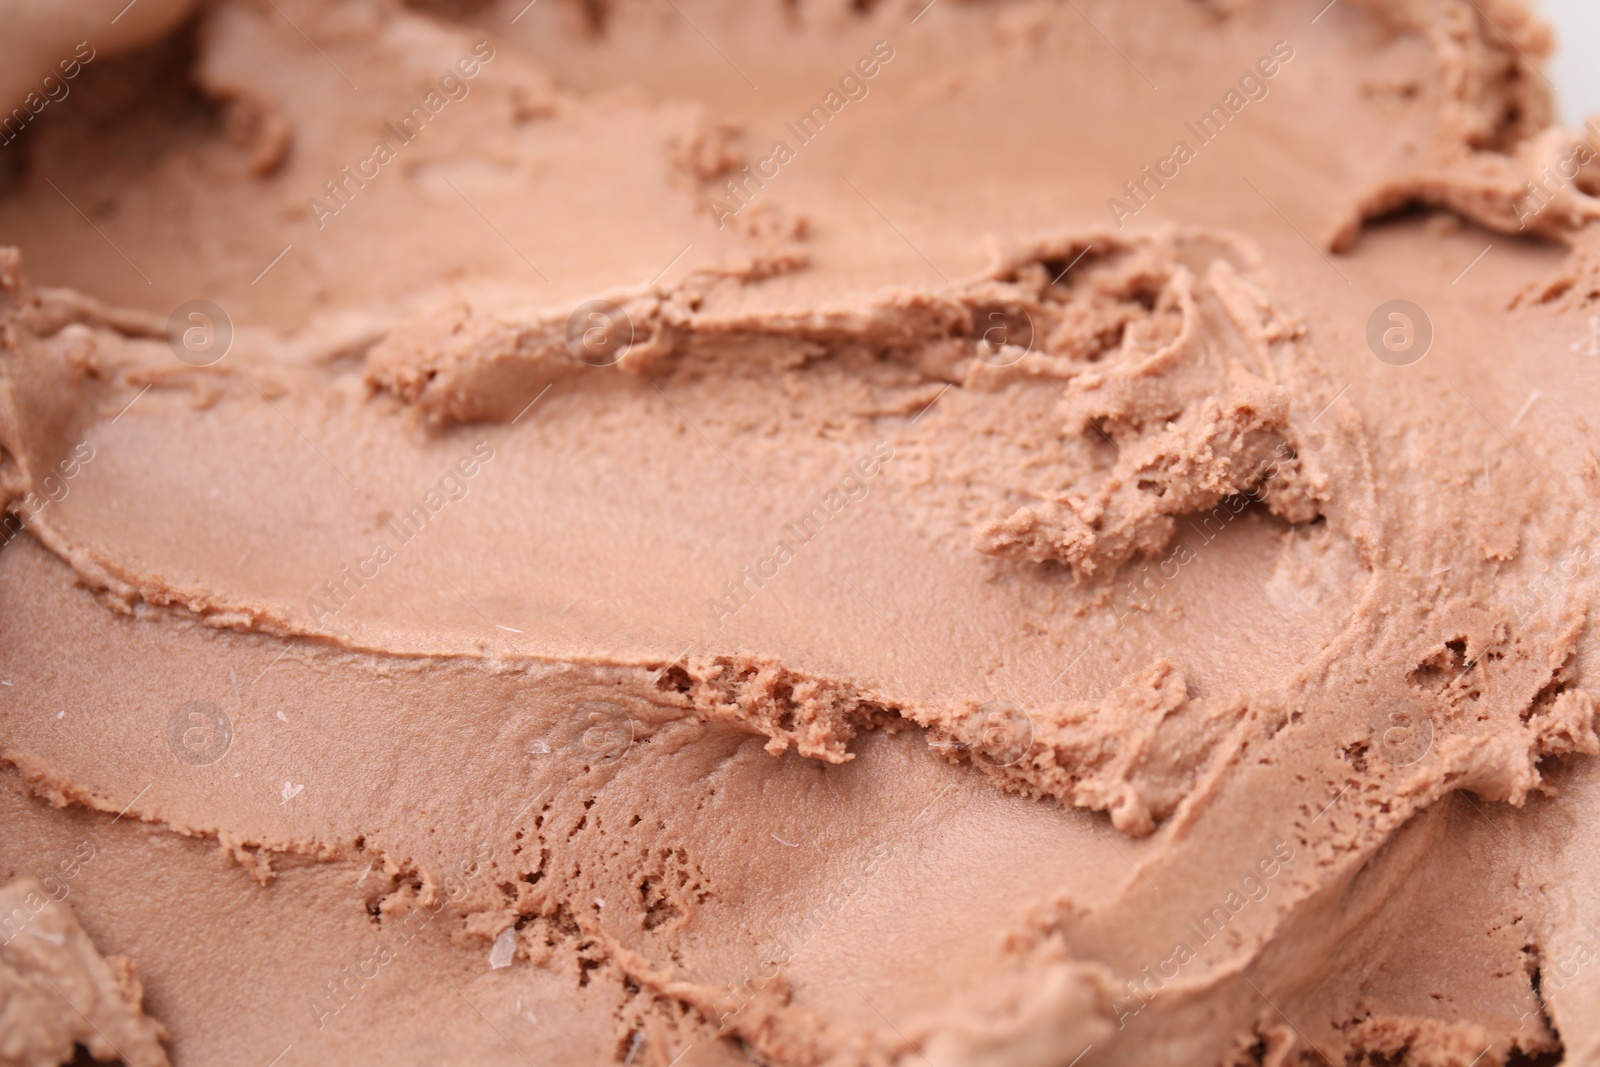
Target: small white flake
[364,874]
[289,791]
[1533,398]
[61,714]
[1589,344]
[504,948]
[282,716]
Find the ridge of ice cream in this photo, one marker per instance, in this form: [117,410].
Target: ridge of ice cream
[1080,558]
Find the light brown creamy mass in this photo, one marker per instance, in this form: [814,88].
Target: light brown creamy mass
[1004,533]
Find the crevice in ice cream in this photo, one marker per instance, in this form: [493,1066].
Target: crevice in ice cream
[1329,646]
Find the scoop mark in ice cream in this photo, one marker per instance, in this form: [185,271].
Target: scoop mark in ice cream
[599,332]
[1147,752]
[1171,460]
[1399,333]
[199,733]
[199,332]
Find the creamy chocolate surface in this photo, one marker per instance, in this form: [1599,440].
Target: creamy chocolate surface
[1002,533]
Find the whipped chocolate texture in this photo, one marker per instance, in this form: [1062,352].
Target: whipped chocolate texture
[1019,533]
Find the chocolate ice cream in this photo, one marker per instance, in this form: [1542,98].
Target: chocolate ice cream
[1007,533]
